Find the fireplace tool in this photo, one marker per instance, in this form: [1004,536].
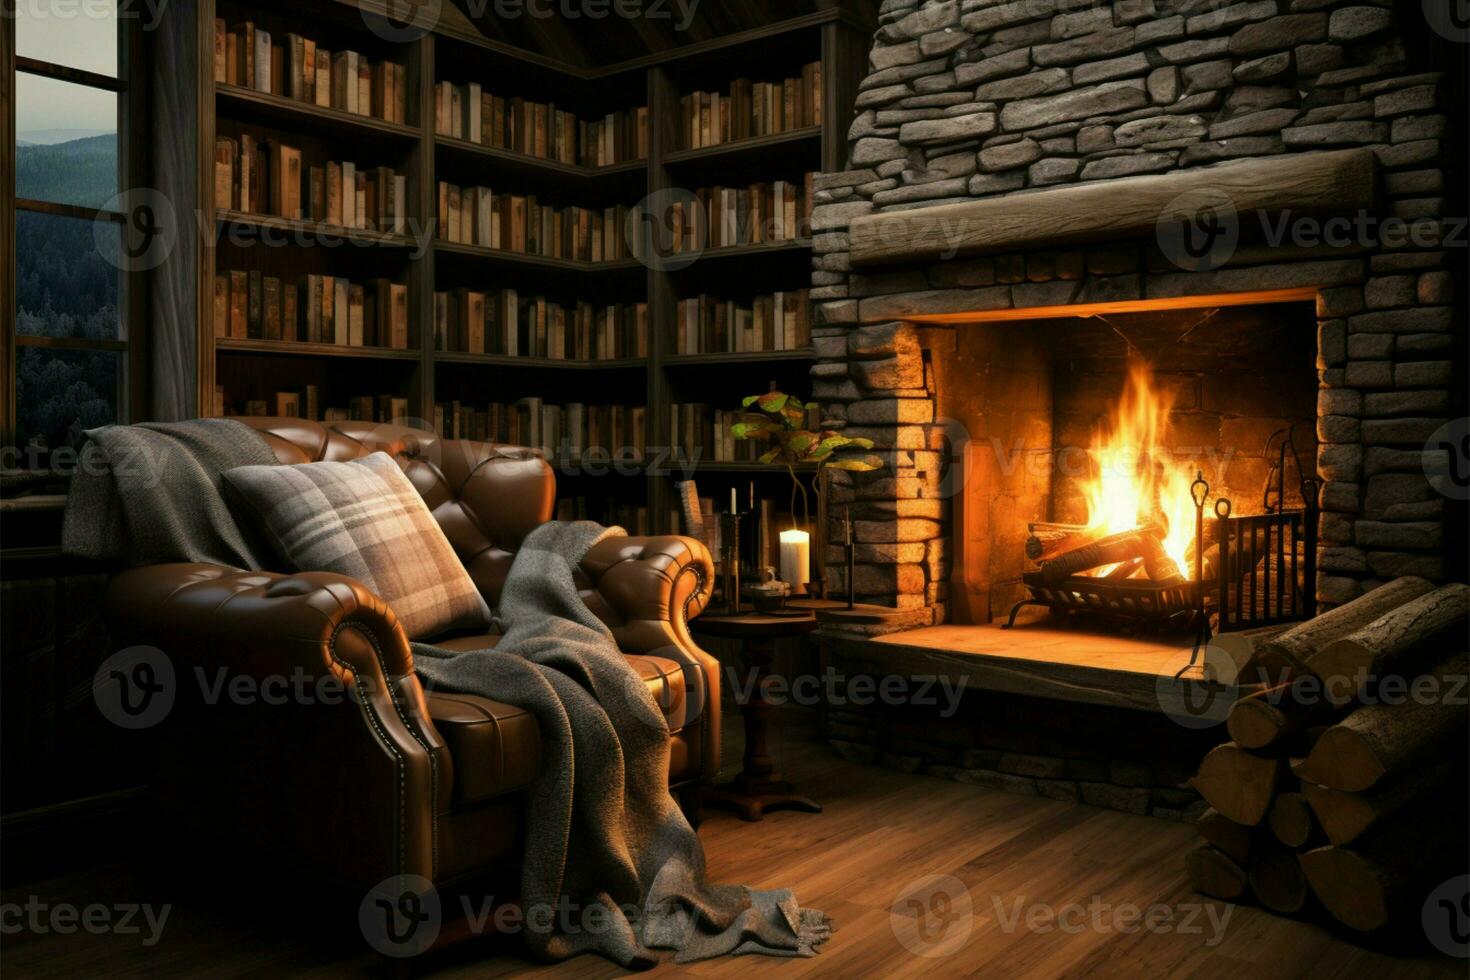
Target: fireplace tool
[1199,492]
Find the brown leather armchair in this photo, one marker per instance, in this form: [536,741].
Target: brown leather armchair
[366,774]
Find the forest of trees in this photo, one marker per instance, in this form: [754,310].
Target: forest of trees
[65,287]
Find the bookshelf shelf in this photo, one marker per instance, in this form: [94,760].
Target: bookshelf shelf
[316,229]
[809,137]
[251,105]
[520,164]
[300,348]
[745,357]
[499,256]
[760,250]
[419,383]
[540,363]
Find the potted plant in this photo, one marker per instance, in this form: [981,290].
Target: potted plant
[781,419]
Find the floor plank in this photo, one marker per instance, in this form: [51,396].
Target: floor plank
[881,833]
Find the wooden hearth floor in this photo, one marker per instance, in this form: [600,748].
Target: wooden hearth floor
[881,830]
[1059,662]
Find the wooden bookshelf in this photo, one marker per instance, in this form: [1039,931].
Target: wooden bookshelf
[426,377]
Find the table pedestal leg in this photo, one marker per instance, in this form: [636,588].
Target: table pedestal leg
[758,787]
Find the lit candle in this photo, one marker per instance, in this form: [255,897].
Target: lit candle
[796,549]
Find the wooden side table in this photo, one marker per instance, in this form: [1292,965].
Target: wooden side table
[758,787]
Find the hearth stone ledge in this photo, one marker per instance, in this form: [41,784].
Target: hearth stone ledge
[1033,95]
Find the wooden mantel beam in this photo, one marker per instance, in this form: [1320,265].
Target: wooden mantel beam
[1337,182]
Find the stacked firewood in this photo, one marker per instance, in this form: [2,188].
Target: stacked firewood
[1345,777]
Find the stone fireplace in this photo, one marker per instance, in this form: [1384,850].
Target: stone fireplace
[1250,197]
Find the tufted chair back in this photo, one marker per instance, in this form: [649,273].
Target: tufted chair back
[486,497]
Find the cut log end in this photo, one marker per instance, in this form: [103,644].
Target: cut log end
[1277,880]
[1291,819]
[1348,887]
[1213,873]
[1238,784]
[1227,836]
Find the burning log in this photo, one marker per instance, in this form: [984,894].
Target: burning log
[1046,540]
[1142,543]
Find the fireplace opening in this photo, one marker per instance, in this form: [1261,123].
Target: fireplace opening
[1094,446]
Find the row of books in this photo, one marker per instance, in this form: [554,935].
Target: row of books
[296,67]
[608,511]
[316,309]
[719,217]
[707,325]
[539,129]
[520,223]
[305,403]
[750,109]
[504,322]
[561,431]
[272,178]
[698,432]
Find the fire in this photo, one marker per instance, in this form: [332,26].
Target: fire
[1138,480]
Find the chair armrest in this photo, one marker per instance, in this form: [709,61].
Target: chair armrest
[647,590]
[314,625]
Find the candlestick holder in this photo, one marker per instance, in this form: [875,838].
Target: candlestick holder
[730,560]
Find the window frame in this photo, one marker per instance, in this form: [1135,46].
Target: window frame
[132,141]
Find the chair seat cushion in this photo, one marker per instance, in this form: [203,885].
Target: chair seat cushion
[496,748]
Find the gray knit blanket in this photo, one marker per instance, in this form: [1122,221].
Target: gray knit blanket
[147,494]
[610,864]
[607,848]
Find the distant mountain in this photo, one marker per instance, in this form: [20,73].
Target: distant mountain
[50,137]
[23,143]
[81,172]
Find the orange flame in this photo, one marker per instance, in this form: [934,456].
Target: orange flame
[1138,479]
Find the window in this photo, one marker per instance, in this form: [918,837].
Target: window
[68,360]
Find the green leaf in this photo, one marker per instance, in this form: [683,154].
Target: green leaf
[800,442]
[751,430]
[860,464]
[772,401]
[749,400]
[769,456]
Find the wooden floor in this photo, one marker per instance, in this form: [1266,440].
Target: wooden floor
[881,833]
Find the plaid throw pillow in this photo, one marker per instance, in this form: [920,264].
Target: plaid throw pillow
[363,519]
